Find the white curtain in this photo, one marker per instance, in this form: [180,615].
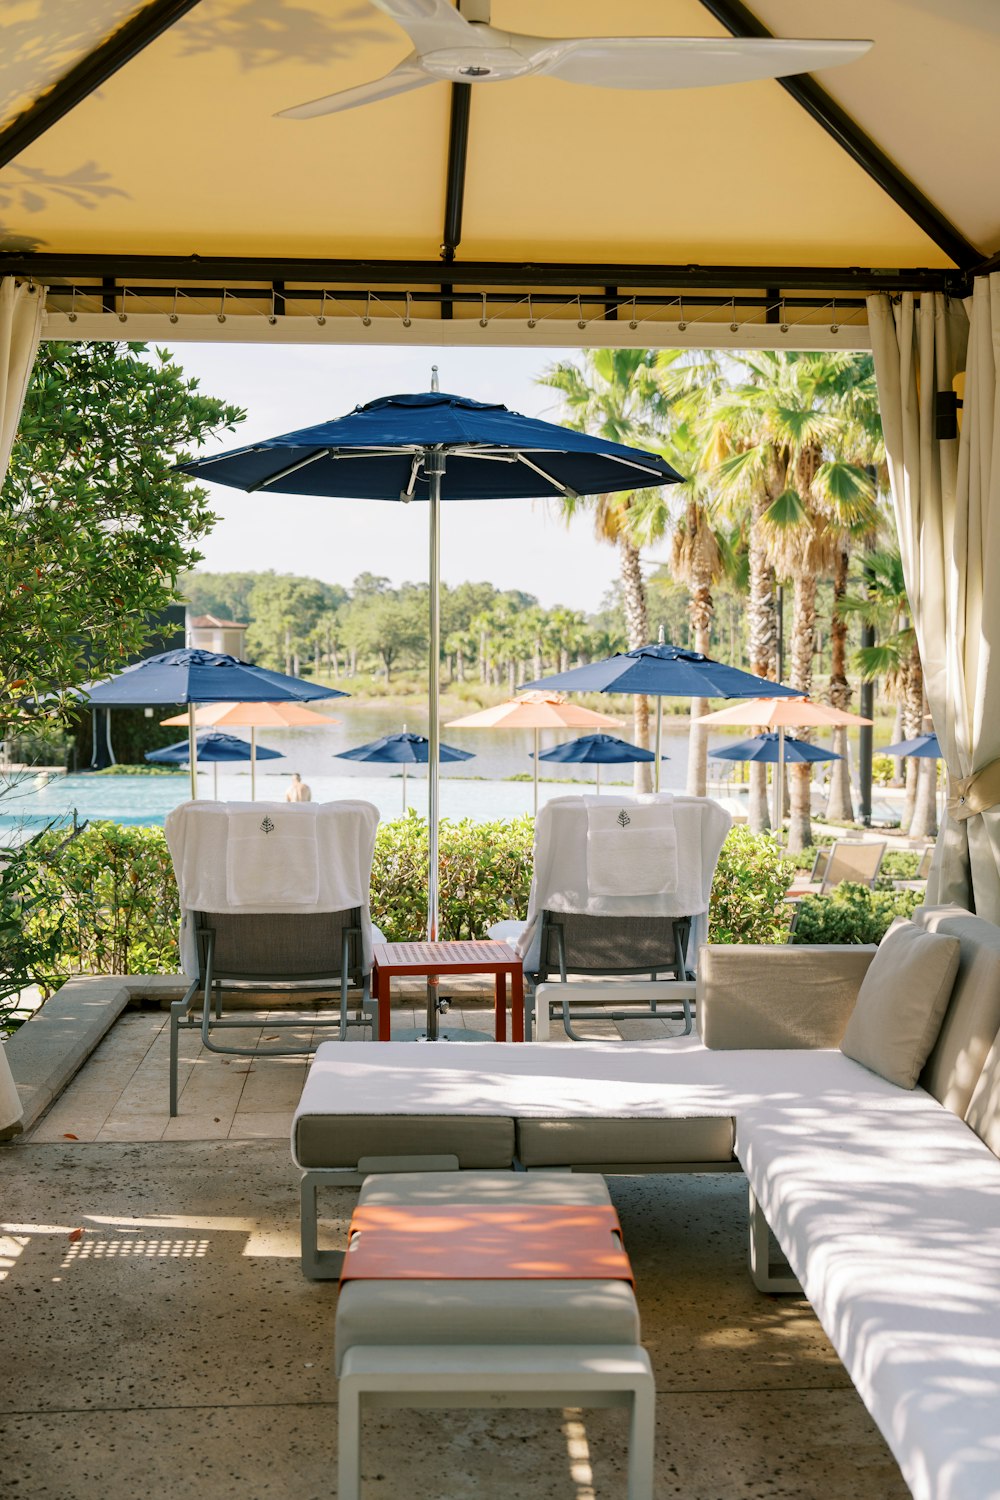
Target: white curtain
[946,495]
[21,310]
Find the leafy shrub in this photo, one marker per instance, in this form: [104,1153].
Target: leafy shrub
[751,879]
[883,770]
[111,896]
[898,864]
[851,914]
[30,947]
[105,902]
[485,876]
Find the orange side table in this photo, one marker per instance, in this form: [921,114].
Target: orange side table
[429,960]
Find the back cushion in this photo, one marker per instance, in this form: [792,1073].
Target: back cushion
[984,1110]
[972,1019]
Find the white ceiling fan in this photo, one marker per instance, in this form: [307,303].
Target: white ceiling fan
[460,46]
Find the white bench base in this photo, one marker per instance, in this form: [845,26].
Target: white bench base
[498,1377]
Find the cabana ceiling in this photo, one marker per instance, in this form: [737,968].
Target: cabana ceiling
[141,164]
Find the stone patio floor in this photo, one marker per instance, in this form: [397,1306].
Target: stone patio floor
[160,1338]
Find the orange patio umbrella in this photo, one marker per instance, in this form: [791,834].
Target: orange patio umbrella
[781,714]
[254,716]
[535,711]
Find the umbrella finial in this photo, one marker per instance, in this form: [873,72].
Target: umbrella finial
[435,385]
[662,637]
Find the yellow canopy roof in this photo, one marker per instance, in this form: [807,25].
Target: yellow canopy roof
[141,163]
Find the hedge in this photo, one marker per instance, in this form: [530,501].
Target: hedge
[106,901]
[852,914]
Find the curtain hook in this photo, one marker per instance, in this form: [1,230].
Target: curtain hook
[272,317]
[531,316]
[581,321]
[784,321]
[834,326]
[123,315]
[633,321]
[71,315]
[734,327]
[682,323]
[367,319]
[322,309]
[407,320]
[173,308]
[221,314]
[483,320]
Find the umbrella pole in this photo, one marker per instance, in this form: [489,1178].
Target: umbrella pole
[434,468]
[253,763]
[193,753]
[215,781]
[659,738]
[404,786]
[536,773]
[779,788]
[597,782]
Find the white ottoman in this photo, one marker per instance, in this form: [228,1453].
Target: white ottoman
[490,1343]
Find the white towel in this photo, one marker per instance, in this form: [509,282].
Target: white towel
[271,860]
[631,847]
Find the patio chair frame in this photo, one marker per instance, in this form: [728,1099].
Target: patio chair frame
[672,932]
[344,927]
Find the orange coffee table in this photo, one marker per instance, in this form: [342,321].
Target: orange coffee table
[413,960]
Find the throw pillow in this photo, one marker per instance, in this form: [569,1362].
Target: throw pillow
[901,1002]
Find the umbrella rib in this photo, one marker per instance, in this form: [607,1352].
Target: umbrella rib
[563,489]
[302,463]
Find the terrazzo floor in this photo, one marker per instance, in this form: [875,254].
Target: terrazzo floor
[161,1339]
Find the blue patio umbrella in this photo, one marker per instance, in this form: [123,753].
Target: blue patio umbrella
[595,750]
[403,750]
[664,671]
[432,446]
[215,746]
[767,748]
[191,676]
[922,747]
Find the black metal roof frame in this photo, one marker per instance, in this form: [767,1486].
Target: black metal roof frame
[615,281]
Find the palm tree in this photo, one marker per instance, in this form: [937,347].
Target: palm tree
[614,393]
[787,426]
[895,659]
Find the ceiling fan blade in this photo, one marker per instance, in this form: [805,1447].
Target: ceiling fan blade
[408,75]
[430,24]
[662,62]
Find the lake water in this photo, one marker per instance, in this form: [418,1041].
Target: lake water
[34,801]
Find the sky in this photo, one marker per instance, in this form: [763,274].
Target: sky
[521,544]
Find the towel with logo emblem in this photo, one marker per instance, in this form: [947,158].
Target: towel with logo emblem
[631,846]
[271,860]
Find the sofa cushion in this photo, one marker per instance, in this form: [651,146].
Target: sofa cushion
[901,1003]
[983,1113]
[597,1143]
[341,1140]
[742,1003]
[972,1019]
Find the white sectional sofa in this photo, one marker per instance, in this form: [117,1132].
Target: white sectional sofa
[885,1200]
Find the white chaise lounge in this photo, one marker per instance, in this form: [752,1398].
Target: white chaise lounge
[885,1200]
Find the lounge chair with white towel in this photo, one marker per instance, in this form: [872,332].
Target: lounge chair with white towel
[621,886]
[272,895]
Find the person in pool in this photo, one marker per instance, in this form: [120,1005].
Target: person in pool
[298,791]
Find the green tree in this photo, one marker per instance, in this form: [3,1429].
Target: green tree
[225,595]
[96,524]
[284,611]
[388,625]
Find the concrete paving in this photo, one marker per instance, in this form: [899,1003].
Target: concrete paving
[162,1340]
